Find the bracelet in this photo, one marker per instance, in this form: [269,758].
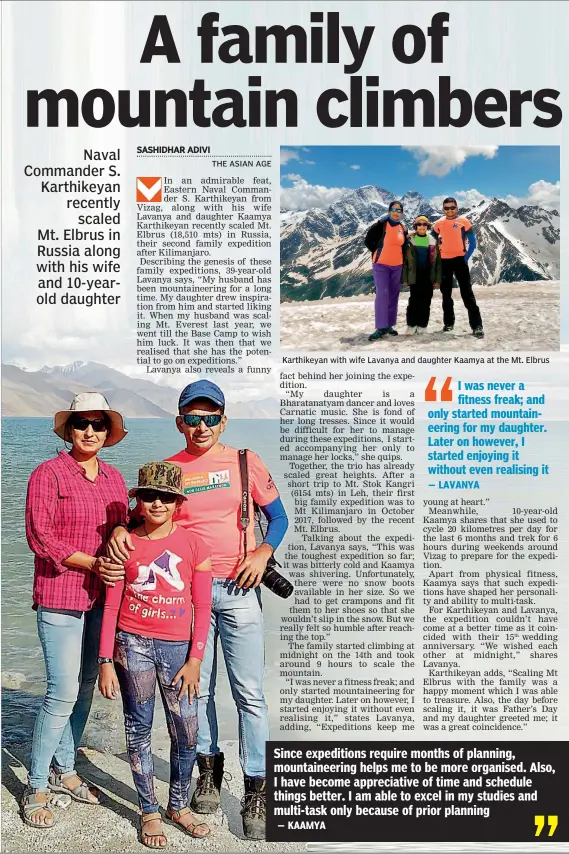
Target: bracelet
[102,660]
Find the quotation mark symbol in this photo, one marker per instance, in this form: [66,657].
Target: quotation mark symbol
[552,822]
[431,392]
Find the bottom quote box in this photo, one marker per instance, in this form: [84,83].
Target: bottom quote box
[321,791]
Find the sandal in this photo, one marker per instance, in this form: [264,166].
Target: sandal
[174,817]
[32,802]
[145,837]
[79,793]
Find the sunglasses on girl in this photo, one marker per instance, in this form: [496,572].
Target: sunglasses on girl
[99,425]
[149,496]
[208,420]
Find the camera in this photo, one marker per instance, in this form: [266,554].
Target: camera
[275,582]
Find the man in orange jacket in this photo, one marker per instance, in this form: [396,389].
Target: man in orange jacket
[457,242]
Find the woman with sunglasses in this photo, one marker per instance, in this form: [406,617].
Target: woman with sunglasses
[386,241]
[163,612]
[73,503]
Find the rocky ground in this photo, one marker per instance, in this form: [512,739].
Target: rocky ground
[114,825]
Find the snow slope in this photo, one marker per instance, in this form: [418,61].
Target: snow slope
[517,316]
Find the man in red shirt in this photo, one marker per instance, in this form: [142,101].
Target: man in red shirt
[454,233]
[212,486]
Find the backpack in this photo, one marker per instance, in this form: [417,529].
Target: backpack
[375,235]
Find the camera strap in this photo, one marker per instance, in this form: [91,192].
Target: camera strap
[244,509]
[244,517]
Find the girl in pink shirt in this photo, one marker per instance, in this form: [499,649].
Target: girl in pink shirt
[163,611]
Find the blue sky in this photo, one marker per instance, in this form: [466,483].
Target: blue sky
[519,174]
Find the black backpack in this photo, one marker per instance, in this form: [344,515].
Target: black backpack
[375,235]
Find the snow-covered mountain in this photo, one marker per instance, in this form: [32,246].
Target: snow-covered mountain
[323,253]
[71,368]
[514,244]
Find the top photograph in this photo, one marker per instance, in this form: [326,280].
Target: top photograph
[404,248]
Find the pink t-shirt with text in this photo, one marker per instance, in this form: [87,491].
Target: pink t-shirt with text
[155,598]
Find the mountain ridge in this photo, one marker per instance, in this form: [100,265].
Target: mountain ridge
[41,393]
[323,253]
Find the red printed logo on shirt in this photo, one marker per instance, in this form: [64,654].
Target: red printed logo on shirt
[149,189]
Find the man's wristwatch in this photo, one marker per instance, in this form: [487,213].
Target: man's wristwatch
[102,660]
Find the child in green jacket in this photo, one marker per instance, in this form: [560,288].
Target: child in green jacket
[422,271]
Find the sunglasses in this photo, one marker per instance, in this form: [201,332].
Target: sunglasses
[449,208]
[396,210]
[421,225]
[208,420]
[149,496]
[99,425]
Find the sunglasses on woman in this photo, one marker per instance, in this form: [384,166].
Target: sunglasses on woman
[396,210]
[149,496]
[208,420]
[99,425]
